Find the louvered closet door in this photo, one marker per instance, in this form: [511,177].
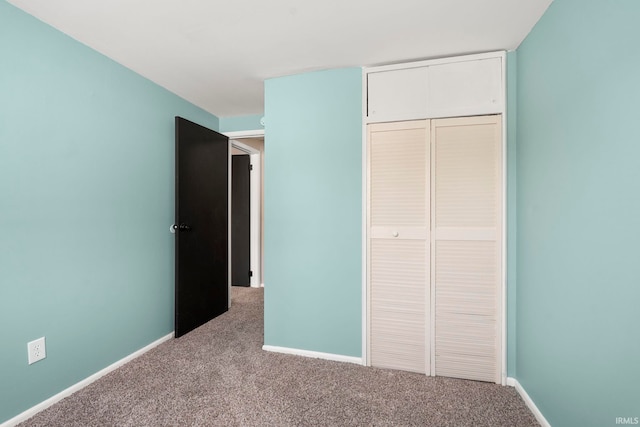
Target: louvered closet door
[398,218]
[466,246]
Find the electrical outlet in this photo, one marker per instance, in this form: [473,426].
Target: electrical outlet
[36,350]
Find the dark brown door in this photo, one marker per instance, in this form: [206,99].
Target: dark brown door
[240,220]
[202,215]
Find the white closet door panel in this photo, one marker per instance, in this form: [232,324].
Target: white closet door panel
[466,247]
[477,369]
[398,304]
[399,248]
[466,174]
[466,313]
[398,188]
[465,88]
[466,275]
[397,95]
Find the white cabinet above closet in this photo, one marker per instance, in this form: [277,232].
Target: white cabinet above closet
[453,87]
[397,95]
[466,88]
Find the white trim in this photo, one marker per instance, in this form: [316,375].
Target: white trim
[431,190]
[312,354]
[243,147]
[435,61]
[254,228]
[528,401]
[503,278]
[365,196]
[245,134]
[82,384]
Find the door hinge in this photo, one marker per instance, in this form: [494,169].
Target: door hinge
[250,273]
[250,167]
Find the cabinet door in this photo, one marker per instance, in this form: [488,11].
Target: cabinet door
[465,88]
[397,95]
[466,247]
[398,218]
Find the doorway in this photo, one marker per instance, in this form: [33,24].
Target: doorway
[251,143]
[241,170]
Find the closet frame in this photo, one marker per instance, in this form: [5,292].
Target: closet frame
[500,109]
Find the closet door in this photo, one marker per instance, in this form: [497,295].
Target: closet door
[398,218]
[466,256]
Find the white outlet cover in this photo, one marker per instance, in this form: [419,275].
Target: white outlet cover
[36,350]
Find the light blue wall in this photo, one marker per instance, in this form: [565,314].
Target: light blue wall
[239,123]
[86,199]
[512,68]
[313,211]
[578,183]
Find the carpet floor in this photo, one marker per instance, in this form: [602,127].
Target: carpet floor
[218,375]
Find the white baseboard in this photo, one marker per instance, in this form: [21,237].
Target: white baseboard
[527,399]
[313,354]
[257,285]
[82,384]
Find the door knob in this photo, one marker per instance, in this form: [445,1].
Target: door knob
[181,227]
[395,234]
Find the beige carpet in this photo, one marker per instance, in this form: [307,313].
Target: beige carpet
[218,375]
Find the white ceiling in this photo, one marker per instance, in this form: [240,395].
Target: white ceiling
[216,54]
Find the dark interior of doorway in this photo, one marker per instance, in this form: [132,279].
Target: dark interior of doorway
[240,220]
